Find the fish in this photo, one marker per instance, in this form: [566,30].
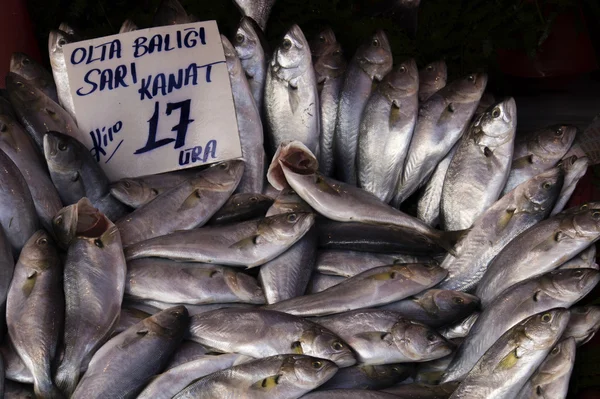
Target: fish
[586,258]
[575,168]
[551,379]
[94,283]
[253,52]
[386,127]
[432,78]
[539,151]
[525,206]
[259,11]
[374,287]
[330,67]
[440,124]
[514,357]
[424,391]
[541,248]
[115,370]
[275,377]
[583,324]
[57,39]
[186,206]
[349,394]
[170,382]
[18,217]
[35,310]
[371,62]
[384,337]
[351,263]
[366,376]
[241,207]
[560,288]
[19,147]
[261,332]
[76,174]
[128,26]
[250,127]
[178,282]
[37,112]
[34,73]
[320,282]
[460,329]
[170,12]
[291,98]
[127,318]
[251,243]
[436,308]
[480,167]
[138,191]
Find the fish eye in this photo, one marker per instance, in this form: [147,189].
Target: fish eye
[402,69]
[223,166]
[239,38]
[375,43]
[596,215]
[430,337]
[253,199]
[98,242]
[292,217]
[547,185]
[287,44]
[58,220]
[26,61]
[496,113]
[471,78]
[42,241]
[337,345]
[61,42]
[555,350]
[19,83]
[458,300]
[558,132]
[322,39]
[578,273]
[583,207]
[396,369]
[317,364]
[429,68]
[546,317]
[62,146]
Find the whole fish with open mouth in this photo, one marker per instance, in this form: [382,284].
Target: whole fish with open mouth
[249,243]
[80,218]
[514,357]
[291,97]
[186,206]
[241,207]
[34,73]
[539,151]
[560,288]
[137,191]
[460,329]
[94,282]
[384,337]
[351,263]
[551,379]
[191,283]
[344,202]
[542,248]
[76,174]
[386,127]
[583,324]
[37,112]
[18,217]
[170,12]
[250,127]
[441,121]
[479,169]
[374,287]
[275,377]
[19,147]
[273,333]
[330,67]
[586,258]
[35,310]
[367,376]
[128,26]
[56,42]
[259,10]
[574,169]
[526,205]
[123,366]
[432,78]
[371,62]
[253,52]
[435,308]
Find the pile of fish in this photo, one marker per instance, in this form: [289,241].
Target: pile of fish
[305,277]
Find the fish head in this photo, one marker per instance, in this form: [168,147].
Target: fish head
[584,323]
[558,362]
[322,343]
[22,64]
[332,64]
[63,153]
[292,56]
[246,40]
[425,274]
[171,322]
[402,81]
[434,75]
[56,42]
[126,190]
[244,286]
[22,93]
[285,228]
[582,208]
[552,141]
[418,341]
[453,301]
[322,42]
[375,56]
[467,89]
[234,66]
[540,192]
[566,286]
[545,328]
[225,175]
[64,225]
[500,119]
[586,223]
[294,155]
[567,163]
[306,372]
[39,252]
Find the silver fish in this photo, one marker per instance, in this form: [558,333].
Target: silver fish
[35,310]
[586,258]
[460,329]
[250,127]
[371,62]
[56,42]
[366,376]
[34,73]
[272,333]
[351,263]
[432,78]
[529,203]
[479,169]
[250,243]
[386,127]
[583,324]
[257,10]
[186,206]
[441,121]
[374,287]
[575,169]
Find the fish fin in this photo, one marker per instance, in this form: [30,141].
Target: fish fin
[267,383]
[375,336]
[191,201]
[523,162]
[384,276]
[395,116]
[293,97]
[326,187]
[509,361]
[132,339]
[29,283]
[297,347]
[505,219]
[245,242]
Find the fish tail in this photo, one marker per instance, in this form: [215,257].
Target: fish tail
[47,390]
[66,379]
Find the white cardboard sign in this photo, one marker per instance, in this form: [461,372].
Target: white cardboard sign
[154,100]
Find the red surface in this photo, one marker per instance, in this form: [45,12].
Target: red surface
[16,34]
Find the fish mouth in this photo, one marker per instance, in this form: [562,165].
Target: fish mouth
[91,222]
[344,359]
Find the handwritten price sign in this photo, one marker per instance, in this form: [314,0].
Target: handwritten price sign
[154,100]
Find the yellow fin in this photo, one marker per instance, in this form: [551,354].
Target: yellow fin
[29,284]
[191,201]
[267,383]
[509,361]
